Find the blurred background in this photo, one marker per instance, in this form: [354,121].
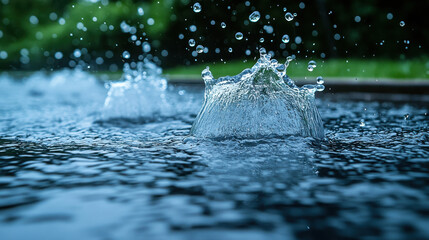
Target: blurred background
[357,38]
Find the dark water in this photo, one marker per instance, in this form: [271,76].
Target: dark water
[68,173]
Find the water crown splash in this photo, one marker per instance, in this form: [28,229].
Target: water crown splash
[260,101]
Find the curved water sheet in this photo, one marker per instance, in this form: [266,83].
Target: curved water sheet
[143,93]
[260,101]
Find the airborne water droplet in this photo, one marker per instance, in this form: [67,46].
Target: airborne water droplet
[262,52]
[285,38]
[191,42]
[197,7]
[239,35]
[319,80]
[288,16]
[311,65]
[140,11]
[223,25]
[401,23]
[126,55]
[255,16]
[200,49]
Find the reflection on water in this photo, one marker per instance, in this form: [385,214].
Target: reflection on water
[68,173]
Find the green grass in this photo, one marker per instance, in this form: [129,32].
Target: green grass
[368,69]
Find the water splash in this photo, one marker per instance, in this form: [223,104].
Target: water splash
[260,101]
[140,93]
[143,93]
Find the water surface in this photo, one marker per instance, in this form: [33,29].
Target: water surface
[69,171]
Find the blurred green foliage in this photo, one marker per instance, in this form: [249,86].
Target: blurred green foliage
[32,32]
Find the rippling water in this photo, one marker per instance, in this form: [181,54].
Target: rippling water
[68,172]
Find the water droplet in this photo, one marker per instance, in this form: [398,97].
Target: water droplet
[261,40]
[193,28]
[200,49]
[401,23]
[311,65]
[337,36]
[126,55]
[319,80]
[320,87]
[223,25]
[197,7]
[146,47]
[150,21]
[289,59]
[34,20]
[285,38]
[77,53]
[262,52]
[3,54]
[58,55]
[191,42]
[229,49]
[288,16]
[255,16]
[140,11]
[362,123]
[239,35]
[357,19]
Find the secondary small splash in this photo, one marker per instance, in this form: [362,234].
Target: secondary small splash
[140,93]
[144,94]
[260,101]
